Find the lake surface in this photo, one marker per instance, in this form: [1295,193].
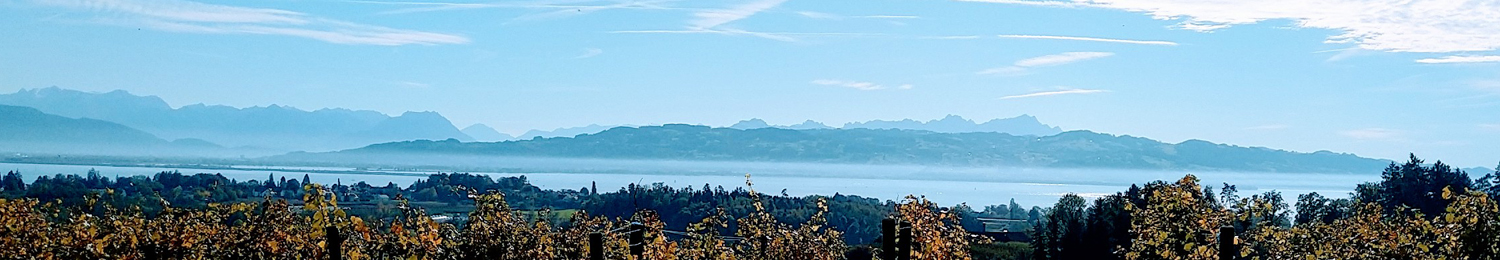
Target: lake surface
[944,185]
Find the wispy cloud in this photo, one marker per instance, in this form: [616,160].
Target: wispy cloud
[860,85]
[1062,58]
[1271,127]
[195,17]
[713,18]
[780,36]
[954,37]
[1056,92]
[1491,127]
[1372,134]
[410,84]
[829,16]
[1033,3]
[773,36]
[1383,25]
[1091,39]
[711,21]
[1462,59]
[1019,67]
[557,9]
[589,53]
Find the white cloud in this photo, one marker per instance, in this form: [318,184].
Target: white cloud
[1020,66]
[1006,71]
[955,37]
[1031,2]
[1383,25]
[1344,53]
[410,84]
[560,8]
[1092,39]
[774,36]
[1270,127]
[710,21]
[713,18]
[1056,92]
[1372,134]
[194,17]
[589,53]
[1462,59]
[1062,58]
[828,16]
[860,85]
[780,36]
[1491,127]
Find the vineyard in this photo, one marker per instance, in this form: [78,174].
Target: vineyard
[1417,212]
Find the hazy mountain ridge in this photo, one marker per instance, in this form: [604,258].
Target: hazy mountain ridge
[1019,125]
[887,146]
[564,132]
[28,130]
[485,133]
[272,127]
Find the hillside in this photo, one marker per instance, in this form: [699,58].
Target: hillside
[873,146]
[1019,125]
[270,127]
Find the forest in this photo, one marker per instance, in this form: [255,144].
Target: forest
[1416,211]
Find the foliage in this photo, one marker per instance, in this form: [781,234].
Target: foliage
[936,232]
[1174,222]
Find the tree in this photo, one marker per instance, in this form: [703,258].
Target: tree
[1016,211]
[12,182]
[1416,186]
[1108,228]
[1313,207]
[1490,183]
[1174,222]
[1061,231]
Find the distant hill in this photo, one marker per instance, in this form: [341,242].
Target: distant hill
[24,129]
[484,133]
[887,146]
[564,132]
[1020,125]
[270,127]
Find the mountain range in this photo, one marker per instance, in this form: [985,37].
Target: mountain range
[1020,125]
[271,127]
[564,132]
[24,129]
[484,133]
[1073,149]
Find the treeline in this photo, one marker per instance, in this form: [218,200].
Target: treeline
[858,218]
[321,229]
[1416,211]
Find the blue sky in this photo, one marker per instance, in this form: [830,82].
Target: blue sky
[1375,78]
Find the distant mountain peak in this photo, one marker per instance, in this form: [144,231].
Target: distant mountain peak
[565,131]
[275,126]
[485,133]
[809,124]
[952,117]
[1019,125]
[753,123]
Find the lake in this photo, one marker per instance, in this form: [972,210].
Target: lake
[944,185]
